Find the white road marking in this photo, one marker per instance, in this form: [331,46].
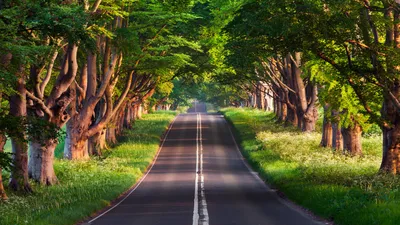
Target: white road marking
[196,190]
[204,219]
[200,215]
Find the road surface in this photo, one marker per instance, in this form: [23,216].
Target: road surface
[200,178]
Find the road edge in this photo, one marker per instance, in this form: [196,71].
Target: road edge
[280,195]
[96,215]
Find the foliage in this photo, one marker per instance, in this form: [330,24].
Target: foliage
[5,161]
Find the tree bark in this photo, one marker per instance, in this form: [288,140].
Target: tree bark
[260,93]
[3,195]
[391,133]
[75,147]
[19,175]
[127,117]
[111,135]
[283,112]
[41,159]
[327,131]
[309,120]
[337,137]
[292,116]
[352,139]
[391,150]
[97,143]
[140,111]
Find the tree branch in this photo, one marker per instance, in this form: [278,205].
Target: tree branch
[40,103]
[48,74]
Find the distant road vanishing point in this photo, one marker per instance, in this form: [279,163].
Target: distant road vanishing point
[200,178]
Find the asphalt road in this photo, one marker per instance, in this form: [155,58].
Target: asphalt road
[200,178]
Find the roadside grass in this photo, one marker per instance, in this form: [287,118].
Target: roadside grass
[347,190]
[88,186]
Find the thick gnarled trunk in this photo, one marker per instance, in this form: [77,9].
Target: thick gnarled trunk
[111,136]
[78,150]
[391,150]
[309,120]
[391,134]
[97,143]
[352,139]
[41,159]
[75,147]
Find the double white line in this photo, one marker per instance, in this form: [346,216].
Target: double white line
[200,212]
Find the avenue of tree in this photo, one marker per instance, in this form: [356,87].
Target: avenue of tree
[90,66]
[342,56]
[93,66]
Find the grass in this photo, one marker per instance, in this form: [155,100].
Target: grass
[347,190]
[88,186]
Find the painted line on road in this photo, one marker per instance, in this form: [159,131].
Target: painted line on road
[204,219]
[200,212]
[196,190]
[141,180]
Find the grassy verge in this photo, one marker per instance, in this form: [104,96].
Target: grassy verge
[337,187]
[88,186]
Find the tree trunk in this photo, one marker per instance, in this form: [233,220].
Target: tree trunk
[128,117]
[327,135]
[3,195]
[111,135]
[277,109]
[140,111]
[97,143]
[283,112]
[19,179]
[292,116]
[327,131]
[260,93]
[41,159]
[391,150]
[78,150]
[391,134]
[309,120]
[352,139]
[337,137]
[75,147]
[301,119]
[19,175]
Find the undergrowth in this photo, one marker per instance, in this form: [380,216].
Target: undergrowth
[88,186]
[347,190]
